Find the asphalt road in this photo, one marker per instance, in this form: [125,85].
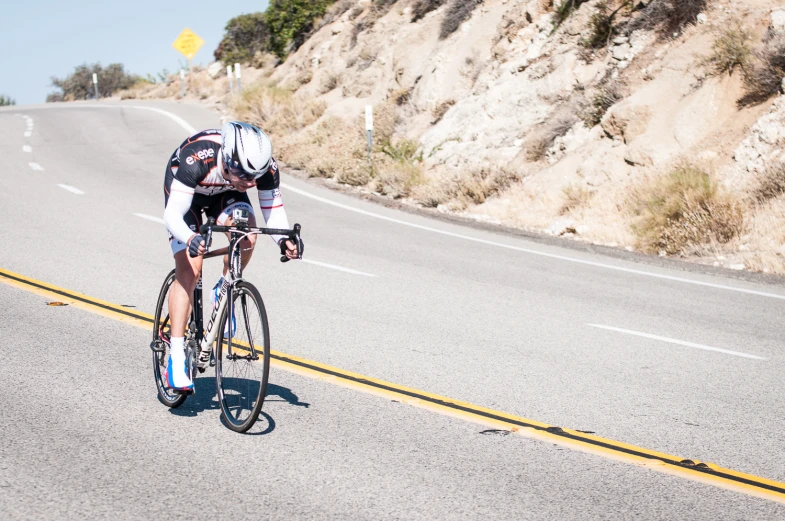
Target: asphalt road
[672,361]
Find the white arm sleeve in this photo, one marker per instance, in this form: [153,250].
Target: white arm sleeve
[176,207]
[271,204]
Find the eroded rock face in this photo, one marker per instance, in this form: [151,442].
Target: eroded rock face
[765,143]
[626,121]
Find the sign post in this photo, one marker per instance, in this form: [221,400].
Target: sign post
[188,44]
[182,83]
[369,128]
[231,78]
[95,86]
[238,75]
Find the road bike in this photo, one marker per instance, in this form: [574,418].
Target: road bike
[239,346]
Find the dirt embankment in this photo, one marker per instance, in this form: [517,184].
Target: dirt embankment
[613,122]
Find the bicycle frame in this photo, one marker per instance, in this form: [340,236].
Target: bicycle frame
[237,233]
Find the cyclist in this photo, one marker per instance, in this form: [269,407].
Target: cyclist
[212,170]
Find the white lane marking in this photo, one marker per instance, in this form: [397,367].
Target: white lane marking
[339,268]
[678,342]
[28,133]
[150,218]
[177,119]
[36,166]
[533,252]
[27,148]
[71,189]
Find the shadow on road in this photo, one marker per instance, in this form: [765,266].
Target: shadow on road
[205,398]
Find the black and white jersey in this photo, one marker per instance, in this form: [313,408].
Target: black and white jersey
[197,164]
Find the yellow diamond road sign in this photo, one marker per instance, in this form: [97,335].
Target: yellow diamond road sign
[188,43]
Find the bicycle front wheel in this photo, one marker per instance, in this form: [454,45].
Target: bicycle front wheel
[242,358]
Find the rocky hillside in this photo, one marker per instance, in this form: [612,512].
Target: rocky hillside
[654,125]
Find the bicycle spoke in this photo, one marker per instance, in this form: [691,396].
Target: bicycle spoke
[241,373]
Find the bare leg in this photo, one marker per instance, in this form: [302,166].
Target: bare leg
[187,271]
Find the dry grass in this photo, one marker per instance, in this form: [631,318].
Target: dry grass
[564,9]
[465,188]
[576,197]
[763,78]
[685,213]
[422,7]
[764,244]
[336,147]
[668,17]
[401,96]
[276,110]
[304,77]
[771,183]
[441,109]
[329,82]
[457,12]
[608,93]
[543,139]
[731,49]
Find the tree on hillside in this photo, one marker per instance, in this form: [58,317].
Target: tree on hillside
[79,84]
[245,35]
[6,100]
[291,22]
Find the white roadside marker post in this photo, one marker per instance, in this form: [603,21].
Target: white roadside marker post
[238,75]
[182,83]
[95,86]
[231,78]
[369,129]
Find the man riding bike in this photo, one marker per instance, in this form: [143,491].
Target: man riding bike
[211,171]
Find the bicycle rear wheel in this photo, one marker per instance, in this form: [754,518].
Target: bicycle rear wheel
[160,346]
[242,357]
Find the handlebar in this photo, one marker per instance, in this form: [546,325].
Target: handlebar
[206,230]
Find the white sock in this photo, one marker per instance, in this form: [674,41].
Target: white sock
[177,349]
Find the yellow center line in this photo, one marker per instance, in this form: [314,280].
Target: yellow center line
[686,468]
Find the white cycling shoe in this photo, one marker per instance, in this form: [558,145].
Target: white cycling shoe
[177,376]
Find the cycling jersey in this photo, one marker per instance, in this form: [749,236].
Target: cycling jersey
[194,182]
[197,164]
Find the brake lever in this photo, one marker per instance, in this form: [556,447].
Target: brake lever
[295,238]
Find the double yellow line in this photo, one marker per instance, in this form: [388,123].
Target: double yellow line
[694,470]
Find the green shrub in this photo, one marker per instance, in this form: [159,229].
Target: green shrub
[730,49]
[601,24]
[244,36]
[79,84]
[290,22]
[564,10]
[457,12]
[684,211]
[6,101]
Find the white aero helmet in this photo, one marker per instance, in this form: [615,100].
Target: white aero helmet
[247,151]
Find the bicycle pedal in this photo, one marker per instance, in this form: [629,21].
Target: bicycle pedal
[184,392]
[202,369]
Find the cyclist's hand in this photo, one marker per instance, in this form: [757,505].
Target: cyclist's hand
[290,249]
[196,246]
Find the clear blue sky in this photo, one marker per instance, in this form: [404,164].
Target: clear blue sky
[44,38]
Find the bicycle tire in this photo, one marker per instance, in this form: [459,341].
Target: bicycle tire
[160,338]
[241,381]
